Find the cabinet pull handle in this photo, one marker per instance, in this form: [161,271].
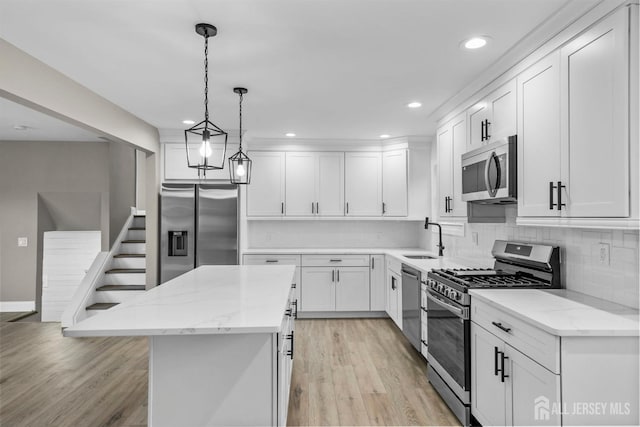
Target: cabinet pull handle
[446,204]
[560,187]
[313,207]
[373,263]
[295,305]
[317,208]
[502,374]
[384,208]
[338,275]
[482,130]
[288,312]
[333,275]
[486,130]
[290,352]
[393,283]
[293,286]
[335,260]
[271,260]
[282,208]
[551,188]
[495,361]
[501,326]
[347,207]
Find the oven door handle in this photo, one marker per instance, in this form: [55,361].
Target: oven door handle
[452,308]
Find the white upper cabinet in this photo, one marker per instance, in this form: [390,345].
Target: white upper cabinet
[363,184]
[314,184]
[175,162]
[300,186]
[452,143]
[595,107]
[539,152]
[330,184]
[493,117]
[266,193]
[394,183]
[573,141]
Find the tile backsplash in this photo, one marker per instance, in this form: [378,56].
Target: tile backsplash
[616,278]
[332,234]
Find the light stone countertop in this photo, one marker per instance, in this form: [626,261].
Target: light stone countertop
[562,312]
[220,299]
[425,265]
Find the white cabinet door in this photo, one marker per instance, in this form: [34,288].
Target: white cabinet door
[318,292]
[363,184]
[300,186]
[452,143]
[352,289]
[493,117]
[503,112]
[330,184]
[595,106]
[531,390]
[488,392]
[265,194]
[539,152]
[394,183]
[378,297]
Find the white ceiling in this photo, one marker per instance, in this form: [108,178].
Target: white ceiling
[319,68]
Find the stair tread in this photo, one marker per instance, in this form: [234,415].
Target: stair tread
[101,305]
[139,216]
[125,270]
[134,241]
[137,228]
[129,256]
[121,288]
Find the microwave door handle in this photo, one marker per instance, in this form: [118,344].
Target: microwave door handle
[487,167]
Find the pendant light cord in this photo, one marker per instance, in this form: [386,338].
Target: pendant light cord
[206,81]
[241,121]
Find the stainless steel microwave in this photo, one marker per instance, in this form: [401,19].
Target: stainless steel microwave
[489,173]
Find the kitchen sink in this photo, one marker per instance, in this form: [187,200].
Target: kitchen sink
[419,256]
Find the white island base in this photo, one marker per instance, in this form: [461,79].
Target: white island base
[221,345]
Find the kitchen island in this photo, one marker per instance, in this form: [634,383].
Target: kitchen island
[221,344]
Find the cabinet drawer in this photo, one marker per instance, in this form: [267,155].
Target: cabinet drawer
[539,345]
[394,265]
[271,259]
[335,260]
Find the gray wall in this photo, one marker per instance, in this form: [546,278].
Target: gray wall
[55,186]
[122,191]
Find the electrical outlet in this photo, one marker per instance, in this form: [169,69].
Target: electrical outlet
[23,242]
[603,253]
[474,238]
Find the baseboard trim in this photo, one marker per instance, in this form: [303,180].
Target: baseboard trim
[17,306]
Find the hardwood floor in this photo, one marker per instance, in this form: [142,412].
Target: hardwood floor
[360,372]
[346,372]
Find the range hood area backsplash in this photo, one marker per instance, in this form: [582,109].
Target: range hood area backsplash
[617,281]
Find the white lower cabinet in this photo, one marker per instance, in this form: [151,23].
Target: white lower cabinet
[507,386]
[523,375]
[335,289]
[378,290]
[394,291]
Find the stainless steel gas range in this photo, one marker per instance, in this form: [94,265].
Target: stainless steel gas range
[517,265]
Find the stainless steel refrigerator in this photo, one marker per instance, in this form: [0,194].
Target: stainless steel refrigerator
[198,226]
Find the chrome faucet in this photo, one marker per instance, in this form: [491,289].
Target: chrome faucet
[426,227]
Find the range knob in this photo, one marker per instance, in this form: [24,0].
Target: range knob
[453,295]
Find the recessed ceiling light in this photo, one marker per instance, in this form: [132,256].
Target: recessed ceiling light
[414,105]
[475,42]
[384,136]
[290,134]
[188,122]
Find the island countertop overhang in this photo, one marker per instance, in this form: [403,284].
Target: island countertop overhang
[226,299]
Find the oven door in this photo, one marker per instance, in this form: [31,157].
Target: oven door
[449,345]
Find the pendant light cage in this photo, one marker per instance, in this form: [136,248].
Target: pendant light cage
[240,163]
[205,143]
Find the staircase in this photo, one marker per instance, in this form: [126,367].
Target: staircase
[124,276]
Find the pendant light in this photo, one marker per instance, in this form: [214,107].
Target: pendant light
[239,163]
[211,139]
